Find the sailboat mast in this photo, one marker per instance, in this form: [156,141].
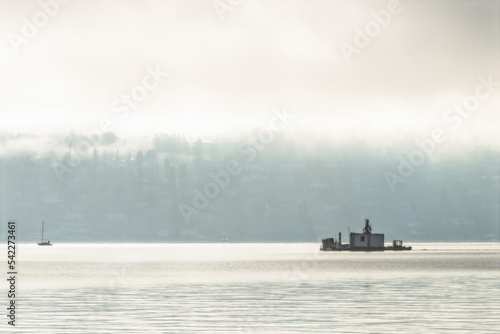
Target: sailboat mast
[43,223]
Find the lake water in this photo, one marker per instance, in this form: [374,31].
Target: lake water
[256,288]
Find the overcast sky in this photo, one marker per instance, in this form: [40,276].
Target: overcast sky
[233,71]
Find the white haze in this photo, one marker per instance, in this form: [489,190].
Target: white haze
[226,74]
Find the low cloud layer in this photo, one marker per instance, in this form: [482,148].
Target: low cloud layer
[230,72]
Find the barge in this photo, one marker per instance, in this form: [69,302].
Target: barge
[366,241]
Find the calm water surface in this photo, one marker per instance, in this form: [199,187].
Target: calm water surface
[256,288]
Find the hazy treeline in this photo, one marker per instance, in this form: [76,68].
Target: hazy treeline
[250,188]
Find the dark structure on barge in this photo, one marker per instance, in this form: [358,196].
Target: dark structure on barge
[366,241]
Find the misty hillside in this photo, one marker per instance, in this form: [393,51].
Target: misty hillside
[169,188]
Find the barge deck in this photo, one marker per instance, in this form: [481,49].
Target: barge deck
[364,242]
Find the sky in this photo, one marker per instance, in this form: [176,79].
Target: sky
[231,63]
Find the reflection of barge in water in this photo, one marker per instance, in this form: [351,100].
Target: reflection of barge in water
[366,241]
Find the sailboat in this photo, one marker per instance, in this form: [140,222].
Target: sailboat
[44,243]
